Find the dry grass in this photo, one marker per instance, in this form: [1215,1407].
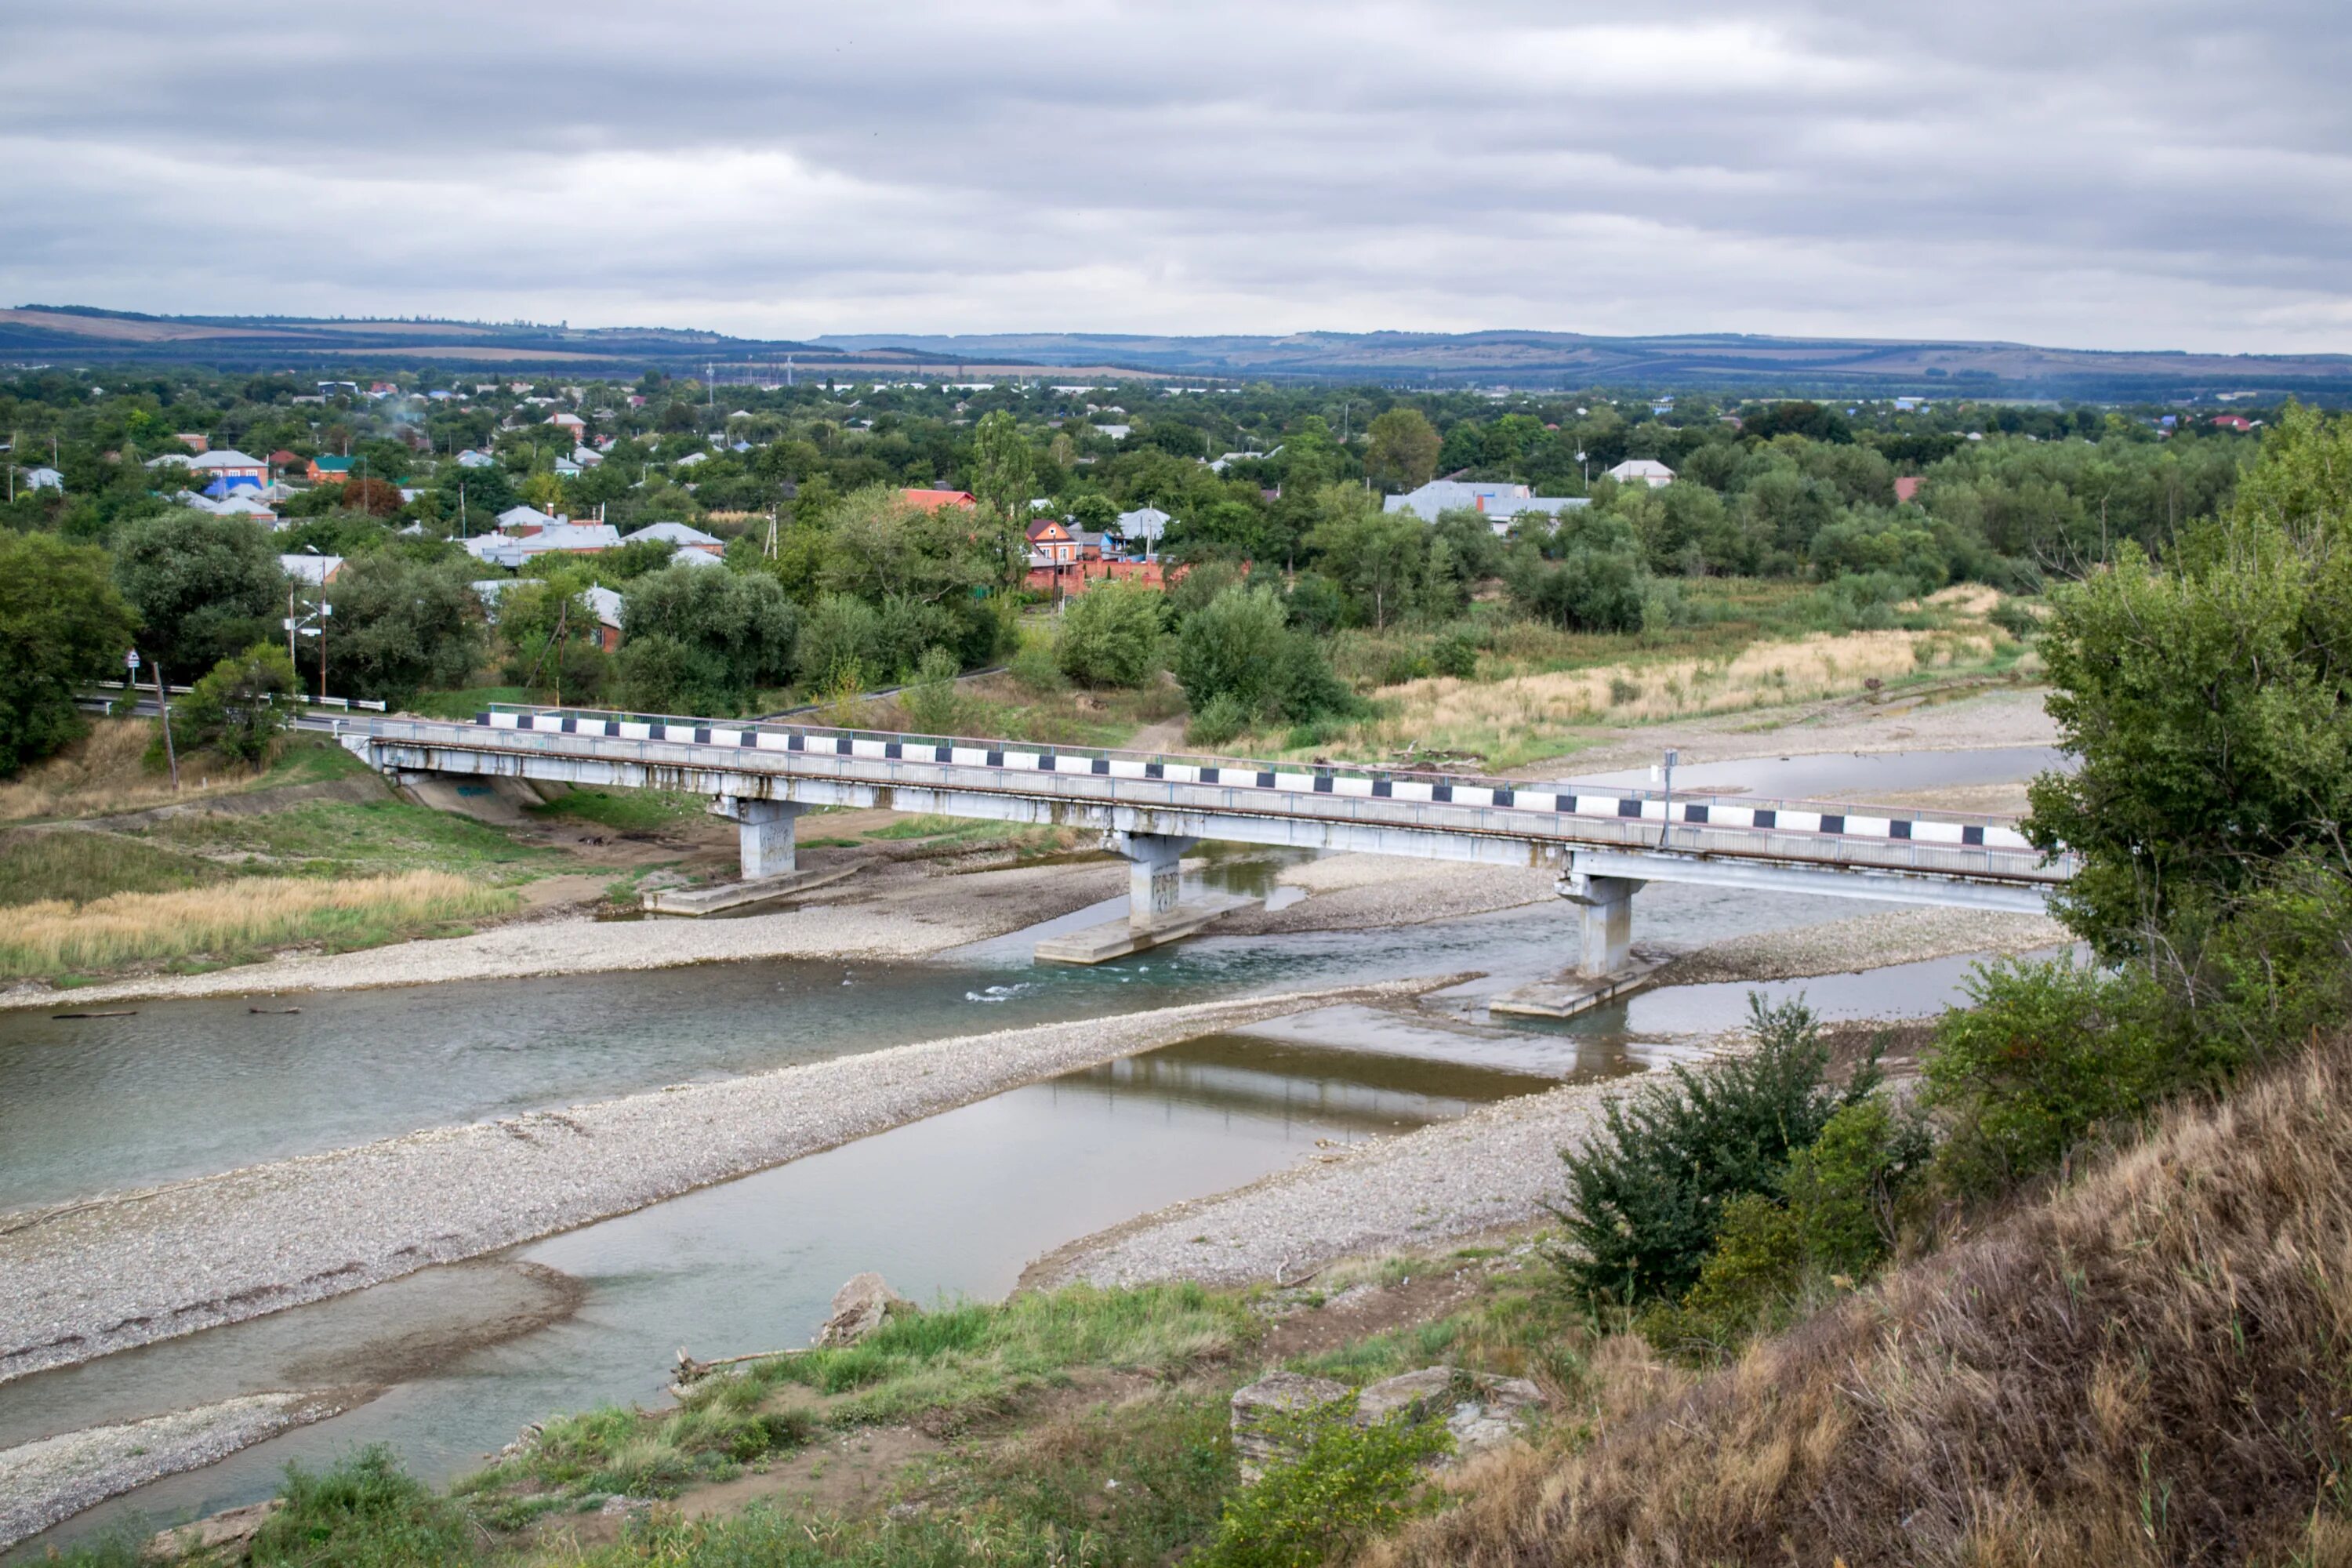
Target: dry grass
[2154,1367]
[103,771]
[1529,716]
[234,920]
[106,772]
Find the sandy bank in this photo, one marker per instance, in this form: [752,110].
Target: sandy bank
[103,1274]
[45,1481]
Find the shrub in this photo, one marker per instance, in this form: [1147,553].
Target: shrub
[1240,646]
[933,702]
[1835,1220]
[2044,1053]
[1217,723]
[1455,655]
[362,1512]
[1646,1197]
[1347,1484]
[2015,619]
[838,632]
[1035,670]
[1110,636]
[1591,590]
[242,709]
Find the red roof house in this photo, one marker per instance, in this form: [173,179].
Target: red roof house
[931,501]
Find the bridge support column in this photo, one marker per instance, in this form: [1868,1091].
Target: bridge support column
[1153,875]
[1607,944]
[764,834]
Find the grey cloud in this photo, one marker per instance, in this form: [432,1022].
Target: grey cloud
[2145,176]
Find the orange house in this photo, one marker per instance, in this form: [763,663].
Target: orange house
[1050,543]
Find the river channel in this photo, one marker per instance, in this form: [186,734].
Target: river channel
[955,1204]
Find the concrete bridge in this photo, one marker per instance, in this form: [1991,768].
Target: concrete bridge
[1602,844]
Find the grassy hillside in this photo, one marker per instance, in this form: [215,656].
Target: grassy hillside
[2148,1368]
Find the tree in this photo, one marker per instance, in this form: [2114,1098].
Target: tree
[1239,652]
[242,709]
[702,640]
[999,482]
[377,498]
[61,622]
[205,587]
[1110,636]
[401,627]
[2210,704]
[1403,449]
[1377,556]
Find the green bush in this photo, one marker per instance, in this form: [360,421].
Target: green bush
[1835,1220]
[2044,1053]
[365,1511]
[1646,1197]
[1217,723]
[1455,655]
[1241,647]
[1110,636]
[934,703]
[242,709]
[1346,1484]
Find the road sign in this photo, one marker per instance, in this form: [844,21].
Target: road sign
[131,659]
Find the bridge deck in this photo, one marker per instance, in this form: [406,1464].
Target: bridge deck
[1339,806]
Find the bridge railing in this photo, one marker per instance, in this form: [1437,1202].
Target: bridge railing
[1367,773]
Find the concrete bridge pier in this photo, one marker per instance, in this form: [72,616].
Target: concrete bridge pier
[1605,968]
[1153,878]
[764,834]
[1154,914]
[1606,947]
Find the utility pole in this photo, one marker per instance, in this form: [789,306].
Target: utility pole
[163,709]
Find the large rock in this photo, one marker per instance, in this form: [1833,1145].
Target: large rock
[1480,1409]
[859,1308]
[1263,1402]
[236,1527]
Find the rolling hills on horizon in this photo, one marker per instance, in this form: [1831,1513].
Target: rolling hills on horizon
[1721,362]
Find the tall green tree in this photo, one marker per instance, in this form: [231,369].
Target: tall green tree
[61,622]
[2209,700]
[205,587]
[1403,449]
[402,627]
[698,639]
[999,482]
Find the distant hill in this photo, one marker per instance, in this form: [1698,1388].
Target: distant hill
[78,335]
[1727,361]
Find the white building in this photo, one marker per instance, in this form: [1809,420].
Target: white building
[1499,502]
[686,538]
[318,571]
[1145,526]
[1643,471]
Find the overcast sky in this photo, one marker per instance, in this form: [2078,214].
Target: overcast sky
[2145,176]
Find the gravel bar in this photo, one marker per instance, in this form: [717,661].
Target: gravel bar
[1496,1167]
[1863,941]
[101,1275]
[53,1478]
